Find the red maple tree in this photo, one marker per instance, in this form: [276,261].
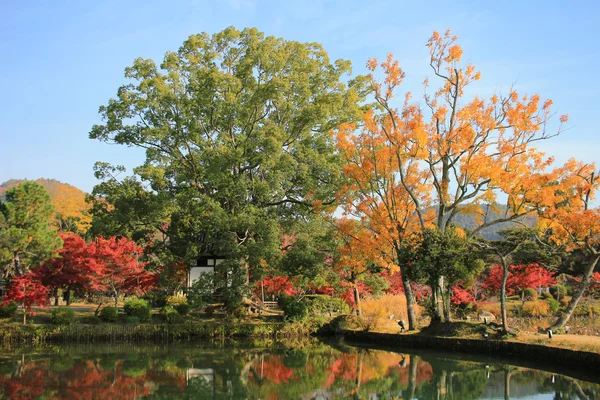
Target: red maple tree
[28,291]
[520,277]
[117,268]
[70,270]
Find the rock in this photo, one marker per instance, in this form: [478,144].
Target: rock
[486,314]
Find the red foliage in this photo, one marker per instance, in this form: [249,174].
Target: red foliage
[327,289]
[395,281]
[70,269]
[520,277]
[275,286]
[348,295]
[26,290]
[461,296]
[117,266]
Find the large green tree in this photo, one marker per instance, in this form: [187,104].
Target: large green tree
[236,131]
[27,236]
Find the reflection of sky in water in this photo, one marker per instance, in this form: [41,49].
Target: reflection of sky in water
[239,371]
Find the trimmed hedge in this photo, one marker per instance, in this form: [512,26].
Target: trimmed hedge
[138,308]
[109,314]
[63,316]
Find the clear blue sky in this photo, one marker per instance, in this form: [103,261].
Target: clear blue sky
[61,60]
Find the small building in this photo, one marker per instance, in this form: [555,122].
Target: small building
[205,263]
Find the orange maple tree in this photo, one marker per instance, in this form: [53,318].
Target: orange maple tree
[567,215]
[419,166]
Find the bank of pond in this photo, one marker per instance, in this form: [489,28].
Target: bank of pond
[269,369]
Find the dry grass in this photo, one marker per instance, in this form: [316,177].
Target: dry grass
[383,312]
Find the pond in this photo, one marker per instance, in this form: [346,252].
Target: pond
[267,370]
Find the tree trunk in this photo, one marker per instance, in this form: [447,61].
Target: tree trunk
[412,377]
[583,286]
[410,300]
[68,297]
[24,314]
[56,297]
[505,272]
[97,312]
[507,375]
[437,309]
[17,264]
[357,301]
[447,311]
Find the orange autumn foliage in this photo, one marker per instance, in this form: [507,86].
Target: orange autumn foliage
[419,166]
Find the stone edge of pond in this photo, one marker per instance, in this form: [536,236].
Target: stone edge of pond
[553,356]
[109,333]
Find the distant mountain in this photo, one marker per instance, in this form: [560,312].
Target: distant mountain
[71,210]
[470,222]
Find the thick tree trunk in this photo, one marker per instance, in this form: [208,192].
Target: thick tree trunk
[410,300]
[56,297]
[583,286]
[505,271]
[68,297]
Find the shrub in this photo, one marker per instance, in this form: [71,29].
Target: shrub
[170,315]
[295,309]
[109,314]
[558,292]
[8,310]
[586,310]
[132,320]
[528,294]
[138,308]
[326,305]
[63,316]
[180,303]
[554,304]
[373,314]
[546,296]
[536,309]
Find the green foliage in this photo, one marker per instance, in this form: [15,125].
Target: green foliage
[138,308]
[171,316]
[8,310]
[180,303]
[294,308]
[528,294]
[63,316]
[201,292]
[546,295]
[109,314]
[326,305]
[558,291]
[26,236]
[236,131]
[132,320]
[553,303]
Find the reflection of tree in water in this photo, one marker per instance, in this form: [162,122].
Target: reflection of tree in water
[266,373]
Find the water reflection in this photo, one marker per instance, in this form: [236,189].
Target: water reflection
[259,371]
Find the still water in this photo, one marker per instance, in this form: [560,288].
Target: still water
[266,370]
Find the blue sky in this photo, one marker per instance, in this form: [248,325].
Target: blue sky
[61,60]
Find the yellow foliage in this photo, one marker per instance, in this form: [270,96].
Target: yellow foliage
[539,308]
[376,312]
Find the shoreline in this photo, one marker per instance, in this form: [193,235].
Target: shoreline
[575,363]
